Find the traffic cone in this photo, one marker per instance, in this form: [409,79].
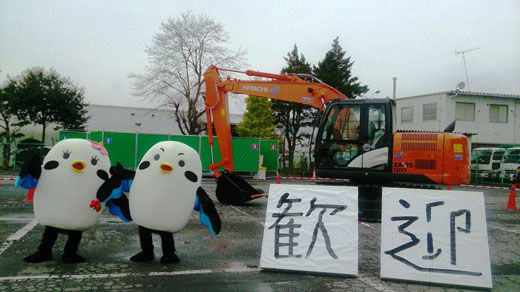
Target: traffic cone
[30,195]
[511,203]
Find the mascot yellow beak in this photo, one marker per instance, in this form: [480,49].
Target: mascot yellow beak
[166,168]
[78,166]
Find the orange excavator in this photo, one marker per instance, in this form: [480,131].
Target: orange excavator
[356,139]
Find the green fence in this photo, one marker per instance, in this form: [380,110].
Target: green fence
[129,148]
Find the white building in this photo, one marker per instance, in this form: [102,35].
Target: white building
[123,119]
[135,119]
[489,118]
[131,119]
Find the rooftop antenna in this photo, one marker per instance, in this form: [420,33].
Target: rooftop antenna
[460,86]
[463,53]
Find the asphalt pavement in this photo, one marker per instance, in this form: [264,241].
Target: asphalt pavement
[226,262]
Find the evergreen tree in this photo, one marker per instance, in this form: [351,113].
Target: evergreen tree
[44,98]
[336,70]
[9,127]
[258,120]
[292,117]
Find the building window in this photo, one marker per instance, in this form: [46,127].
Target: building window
[464,111]
[407,114]
[497,113]
[429,112]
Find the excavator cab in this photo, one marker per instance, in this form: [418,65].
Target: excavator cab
[355,135]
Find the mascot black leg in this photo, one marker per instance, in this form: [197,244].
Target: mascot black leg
[168,248]
[145,236]
[70,253]
[44,253]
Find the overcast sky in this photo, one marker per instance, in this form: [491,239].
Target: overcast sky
[97,43]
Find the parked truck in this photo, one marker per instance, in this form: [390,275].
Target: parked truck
[485,163]
[510,162]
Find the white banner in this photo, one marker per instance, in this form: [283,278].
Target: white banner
[435,236]
[311,228]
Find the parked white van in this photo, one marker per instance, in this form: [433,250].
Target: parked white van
[485,162]
[510,162]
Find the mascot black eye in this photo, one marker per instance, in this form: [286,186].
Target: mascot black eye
[156,157]
[144,165]
[181,163]
[94,160]
[66,154]
[191,176]
[51,165]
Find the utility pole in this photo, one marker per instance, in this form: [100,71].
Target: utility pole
[394,89]
[463,53]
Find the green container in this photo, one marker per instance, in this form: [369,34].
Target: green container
[146,141]
[245,153]
[121,148]
[71,135]
[129,148]
[95,136]
[192,141]
[205,152]
[269,149]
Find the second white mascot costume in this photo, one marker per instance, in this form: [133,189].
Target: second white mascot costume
[163,192]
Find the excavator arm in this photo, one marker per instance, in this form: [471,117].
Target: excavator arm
[291,88]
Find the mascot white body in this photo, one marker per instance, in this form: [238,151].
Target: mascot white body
[68,183]
[65,184]
[163,191]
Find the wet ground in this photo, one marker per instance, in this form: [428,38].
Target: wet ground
[227,262]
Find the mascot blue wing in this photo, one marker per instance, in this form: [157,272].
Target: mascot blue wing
[117,196]
[118,192]
[208,215]
[28,182]
[126,184]
[29,173]
[116,210]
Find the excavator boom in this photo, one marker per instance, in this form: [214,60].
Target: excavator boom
[290,88]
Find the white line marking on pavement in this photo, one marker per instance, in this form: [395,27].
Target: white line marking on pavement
[121,275]
[505,229]
[16,219]
[18,235]
[247,215]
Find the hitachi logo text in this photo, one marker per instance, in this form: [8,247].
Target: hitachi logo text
[254,88]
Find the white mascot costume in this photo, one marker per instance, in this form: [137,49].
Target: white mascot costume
[72,172]
[163,192]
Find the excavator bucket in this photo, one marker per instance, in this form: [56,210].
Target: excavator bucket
[232,189]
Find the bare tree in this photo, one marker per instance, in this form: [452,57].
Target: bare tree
[177,59]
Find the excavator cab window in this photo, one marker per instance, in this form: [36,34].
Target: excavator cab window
[351,129]
[376,124]
[343,124]
[342,133]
